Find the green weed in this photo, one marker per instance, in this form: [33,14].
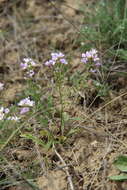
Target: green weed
[105,27]
[121,164]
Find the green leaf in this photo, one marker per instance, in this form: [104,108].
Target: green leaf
[122,54]
[76,118]
[33,138]
[44,133]
[72,131]
[62,138]
[38,141]
[121,163]
[48,145]
[118,177]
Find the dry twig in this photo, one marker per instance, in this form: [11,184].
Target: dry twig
[66,170]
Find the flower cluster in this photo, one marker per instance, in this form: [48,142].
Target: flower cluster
[3,115]
[25,104]
[91,58]
[56,58]
[28,65]
[3,112]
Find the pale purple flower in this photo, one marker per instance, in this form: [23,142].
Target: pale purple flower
[84,60]
[63,61]
[55,56]
[60,54]
[1,86]
[6,110]
[98,64]
[47,63]
[23,66]
[88,54]
[24,110]
[50,62]
[26,102]
[3,111]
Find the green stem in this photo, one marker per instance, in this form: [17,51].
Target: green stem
[62,109]
[58,75]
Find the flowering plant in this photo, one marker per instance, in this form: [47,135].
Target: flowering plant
[57,62]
